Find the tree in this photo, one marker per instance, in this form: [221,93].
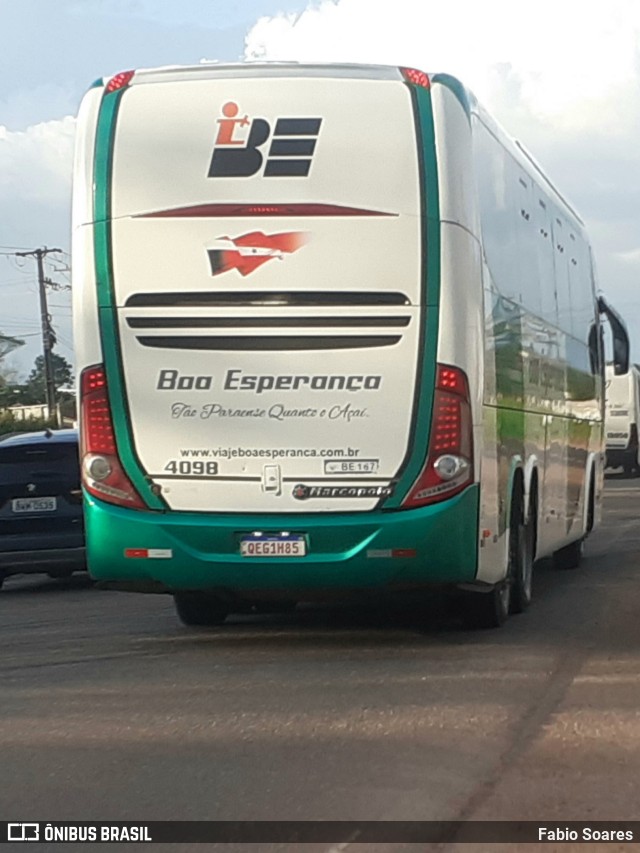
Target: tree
[8,375]
[34,389]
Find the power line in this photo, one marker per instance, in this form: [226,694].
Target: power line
[48,335]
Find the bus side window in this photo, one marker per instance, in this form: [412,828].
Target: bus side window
[580,282]
[498,227]
[523,203]
[544,256]
[560,234]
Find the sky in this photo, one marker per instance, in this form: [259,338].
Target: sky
[565,81]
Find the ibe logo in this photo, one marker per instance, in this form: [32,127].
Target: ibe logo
[23,832]
[240,152]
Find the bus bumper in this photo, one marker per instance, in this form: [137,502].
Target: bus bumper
[165,552]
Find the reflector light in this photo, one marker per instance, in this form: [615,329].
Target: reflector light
[449,466]
[119,81]
[148,553]
[417,78]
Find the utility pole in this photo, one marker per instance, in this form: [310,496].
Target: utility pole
[47,331]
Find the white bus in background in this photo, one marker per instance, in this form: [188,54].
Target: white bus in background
[622,419]
[337,334]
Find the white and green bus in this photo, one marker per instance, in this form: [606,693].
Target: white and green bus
[336,334]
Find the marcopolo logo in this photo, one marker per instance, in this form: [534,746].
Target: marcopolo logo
[301,492]
[240,148]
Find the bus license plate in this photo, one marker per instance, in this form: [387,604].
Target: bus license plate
[273,546]
[34,505]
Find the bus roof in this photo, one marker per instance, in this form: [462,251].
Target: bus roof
[211,69]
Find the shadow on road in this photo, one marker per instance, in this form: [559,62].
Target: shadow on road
[18,585]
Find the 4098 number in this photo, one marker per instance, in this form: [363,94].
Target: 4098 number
[187,468]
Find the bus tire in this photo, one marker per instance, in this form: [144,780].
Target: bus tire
[487,609]
[199,608]
[513,594]
[521,554]
[570,556]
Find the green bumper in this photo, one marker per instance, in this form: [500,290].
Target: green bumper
[346,551]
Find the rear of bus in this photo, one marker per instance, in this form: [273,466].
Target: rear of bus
[621,421]
[257,282]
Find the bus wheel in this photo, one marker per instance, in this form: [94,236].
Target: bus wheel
[513,594]
[487,609]
[570,556]
[521,545]
[199,608]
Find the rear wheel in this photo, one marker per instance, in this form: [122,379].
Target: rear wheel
[570,556]
[521,548]
[513,594]
[199,608]
[487,609]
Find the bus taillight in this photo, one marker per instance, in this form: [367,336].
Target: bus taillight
[449,466]
[119,81]
[416,77]
[102,473]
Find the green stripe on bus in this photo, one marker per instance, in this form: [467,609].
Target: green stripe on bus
[107,314]
[430,295]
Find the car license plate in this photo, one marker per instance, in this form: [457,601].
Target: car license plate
[278,545]
[34,504]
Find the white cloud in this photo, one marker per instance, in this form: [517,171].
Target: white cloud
[36,164]
[632,257]
[563,55]
[35,192]
[563,77]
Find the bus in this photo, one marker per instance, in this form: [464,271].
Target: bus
[337,335]
[622,417]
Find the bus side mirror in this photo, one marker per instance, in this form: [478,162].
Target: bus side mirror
[620,337]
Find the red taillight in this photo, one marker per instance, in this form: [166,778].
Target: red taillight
[98,434]
[102,472]
[119,81]
[449,466]
[417,78]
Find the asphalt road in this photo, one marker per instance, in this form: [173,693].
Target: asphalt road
[111,710]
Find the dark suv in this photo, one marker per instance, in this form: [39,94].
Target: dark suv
[41,523]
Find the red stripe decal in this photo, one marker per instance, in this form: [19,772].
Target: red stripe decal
[237,210]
